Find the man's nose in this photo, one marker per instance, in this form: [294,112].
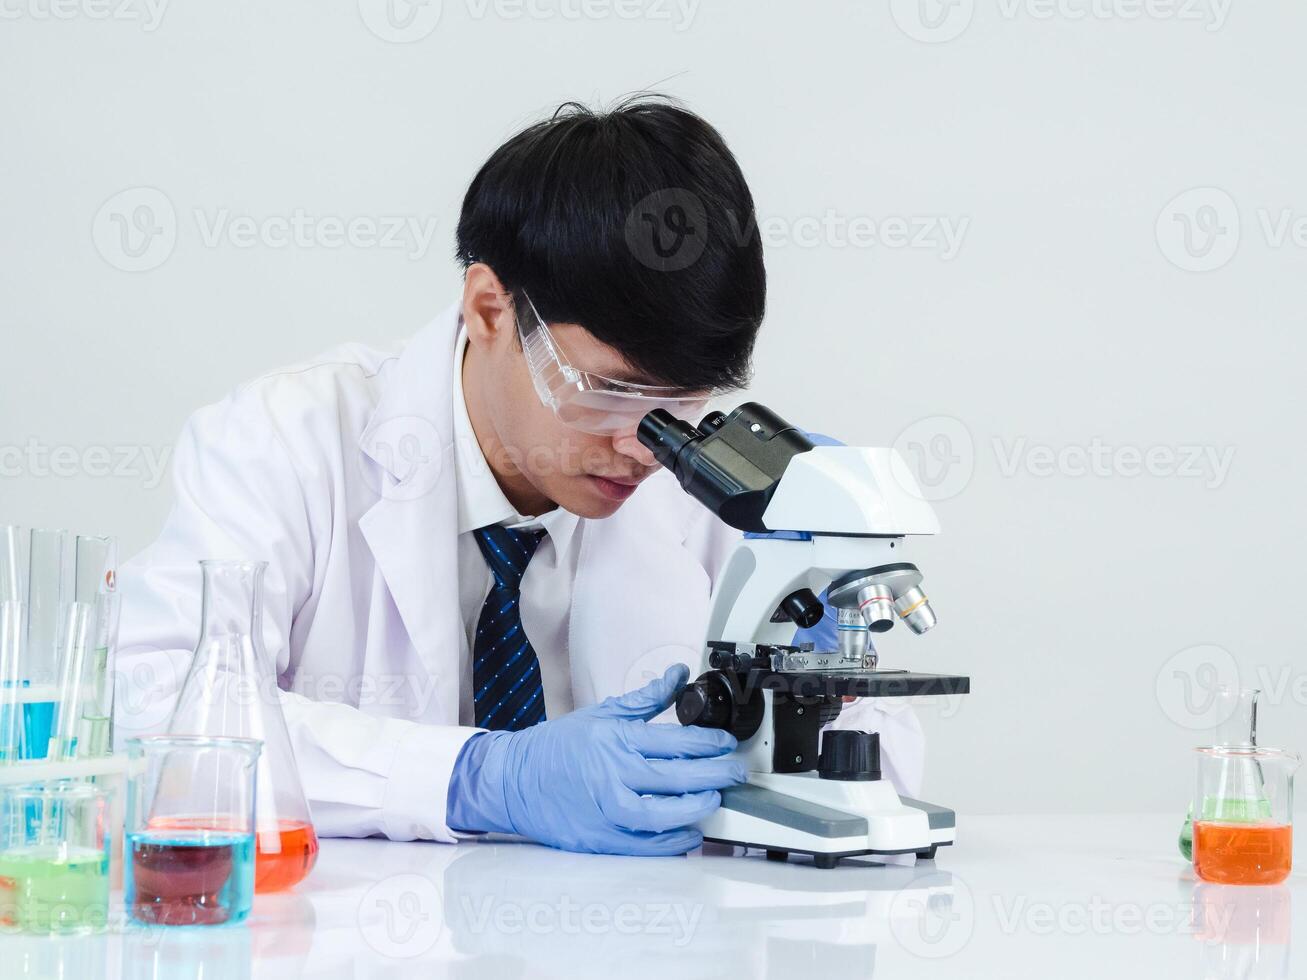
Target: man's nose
[628,445]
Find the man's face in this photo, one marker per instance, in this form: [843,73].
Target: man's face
[589,475]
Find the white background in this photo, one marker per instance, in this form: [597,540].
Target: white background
[1074,314]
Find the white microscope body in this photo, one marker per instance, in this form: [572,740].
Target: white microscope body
[849,512]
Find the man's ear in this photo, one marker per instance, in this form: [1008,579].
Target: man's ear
[487,307]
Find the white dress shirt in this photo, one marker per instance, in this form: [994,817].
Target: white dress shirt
[547,585]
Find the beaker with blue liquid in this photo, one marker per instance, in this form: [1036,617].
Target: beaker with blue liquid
[188,852]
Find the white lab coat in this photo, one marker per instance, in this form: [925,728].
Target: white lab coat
[338,472]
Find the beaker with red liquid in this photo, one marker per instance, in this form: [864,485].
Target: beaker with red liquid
[231,690]
[1243,815]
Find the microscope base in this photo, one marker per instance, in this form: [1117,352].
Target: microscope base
[829,819]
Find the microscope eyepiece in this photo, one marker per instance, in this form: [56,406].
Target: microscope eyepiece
[664,435]
[729,463]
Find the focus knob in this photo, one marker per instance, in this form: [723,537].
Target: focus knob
[706,703]
[849,755]
[715,701]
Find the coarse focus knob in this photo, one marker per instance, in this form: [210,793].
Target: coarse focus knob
[849,755]
[706,702]
[713,701]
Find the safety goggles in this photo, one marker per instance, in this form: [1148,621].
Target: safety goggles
[590,402]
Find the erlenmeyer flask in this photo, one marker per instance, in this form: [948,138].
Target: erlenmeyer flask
[231,689]
[1236,709]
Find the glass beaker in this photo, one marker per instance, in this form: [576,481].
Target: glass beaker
[1235,709]
[54,857]
[231,689]
[188,851]
[1243,814]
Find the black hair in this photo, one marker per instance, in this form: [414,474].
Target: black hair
[634,222]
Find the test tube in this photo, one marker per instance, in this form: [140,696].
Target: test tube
[97,561]
[40,671]
[13,563]
[75,641]
[13,580]
[11,635]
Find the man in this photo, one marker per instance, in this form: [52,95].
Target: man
[460,566]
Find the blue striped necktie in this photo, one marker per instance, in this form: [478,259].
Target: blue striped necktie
[507,690]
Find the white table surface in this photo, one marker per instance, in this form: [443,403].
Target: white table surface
[1053,897]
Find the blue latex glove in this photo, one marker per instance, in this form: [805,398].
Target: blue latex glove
[600,779]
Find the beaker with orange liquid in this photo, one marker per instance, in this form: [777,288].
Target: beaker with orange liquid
[231,690]
[1243,815]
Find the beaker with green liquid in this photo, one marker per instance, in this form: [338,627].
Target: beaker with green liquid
[1236,711]
[54,857]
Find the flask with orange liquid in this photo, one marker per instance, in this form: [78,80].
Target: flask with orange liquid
[231,689]
[1243,815]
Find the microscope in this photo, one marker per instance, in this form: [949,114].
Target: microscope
[835,518]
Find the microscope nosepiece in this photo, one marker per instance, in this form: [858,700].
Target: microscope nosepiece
[914,609]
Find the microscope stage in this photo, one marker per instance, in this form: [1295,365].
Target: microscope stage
[865,683]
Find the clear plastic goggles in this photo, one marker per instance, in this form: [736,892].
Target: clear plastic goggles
[591,402]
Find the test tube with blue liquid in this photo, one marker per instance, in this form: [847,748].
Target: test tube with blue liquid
[46,595]
[13,626]
[190,832]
